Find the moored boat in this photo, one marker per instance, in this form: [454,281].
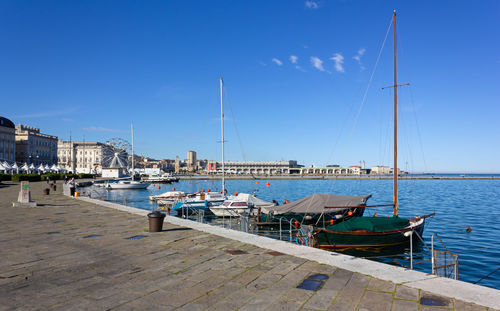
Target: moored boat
[317,209]
[369,232]
[232,208]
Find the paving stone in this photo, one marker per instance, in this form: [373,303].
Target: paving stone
[297,295]
[284,305]
[321,300]
[381,285]
[405,292]
[404,305]
[338,280]
[342,306]
[466,306]
[376,301]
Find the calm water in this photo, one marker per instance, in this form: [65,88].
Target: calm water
[457,204]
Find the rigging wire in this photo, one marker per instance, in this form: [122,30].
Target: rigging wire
[364,95]
[234,123]
[488,275]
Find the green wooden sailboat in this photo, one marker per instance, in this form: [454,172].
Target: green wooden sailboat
[373,232]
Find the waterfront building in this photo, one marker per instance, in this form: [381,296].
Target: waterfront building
[334,170]
[34,147]
[252,167]
[381,170]
[191,160]
[7,140]
[84,157]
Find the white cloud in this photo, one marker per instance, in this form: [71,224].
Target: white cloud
[317,63]
[277,61]
[300,68]
[312,5]
[294,59]
[103,129]
[338,59]
[358,56]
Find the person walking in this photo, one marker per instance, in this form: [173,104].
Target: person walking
[47,179]
[72,186]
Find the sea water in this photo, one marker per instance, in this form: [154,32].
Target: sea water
[458,204]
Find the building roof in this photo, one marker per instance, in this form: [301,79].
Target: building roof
[6,123]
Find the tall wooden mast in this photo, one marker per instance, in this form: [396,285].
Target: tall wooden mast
[396,207]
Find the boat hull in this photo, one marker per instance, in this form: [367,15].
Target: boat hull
[336,240]
[130,186]
[223,211]
[273,220]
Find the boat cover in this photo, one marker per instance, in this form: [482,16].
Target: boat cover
[317,204]
[372,224]
[253,199]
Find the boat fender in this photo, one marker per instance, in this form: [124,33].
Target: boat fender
[349,213]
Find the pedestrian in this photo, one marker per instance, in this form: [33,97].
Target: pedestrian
[72,186]
[47,179]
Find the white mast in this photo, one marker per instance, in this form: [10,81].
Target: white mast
[132,133]
[222,134]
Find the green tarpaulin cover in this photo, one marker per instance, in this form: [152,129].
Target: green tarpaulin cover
[370,224]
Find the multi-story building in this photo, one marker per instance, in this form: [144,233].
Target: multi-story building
[34,147]
[334,170]
[252,167]
[381,170]
[84,157]
[7,140]
[191,160]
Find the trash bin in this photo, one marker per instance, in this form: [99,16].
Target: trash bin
[156,221]
[46,191]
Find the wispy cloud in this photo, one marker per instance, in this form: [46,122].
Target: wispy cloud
[299,68]
[338,59]
[277,61]
[358,56]
[47,114]
[103,129]
[294,59]
[312,5]
[317,63]
[262,63]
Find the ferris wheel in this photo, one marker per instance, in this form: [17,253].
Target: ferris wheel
[116,155]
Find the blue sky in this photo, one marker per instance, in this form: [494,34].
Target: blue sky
[295,71]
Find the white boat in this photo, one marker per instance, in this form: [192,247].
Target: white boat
[168,196]
[161,179]
[199,201]
[233,208]
[129,184]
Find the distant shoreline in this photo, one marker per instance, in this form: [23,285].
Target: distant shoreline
[317,177]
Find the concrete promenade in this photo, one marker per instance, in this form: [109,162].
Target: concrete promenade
[71,254]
